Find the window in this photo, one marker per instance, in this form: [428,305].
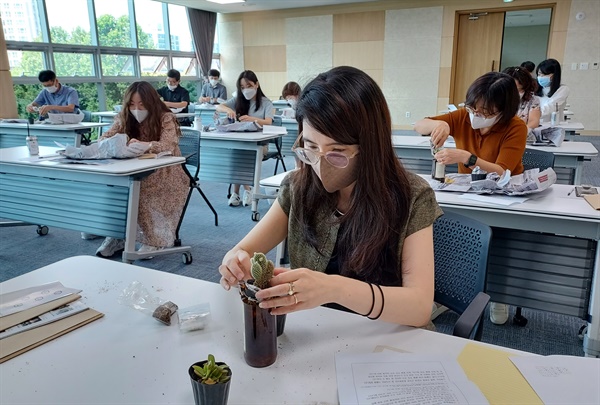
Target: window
[151,24]
[26,63]
[117,65]
[153,65]
[73,64]
[181,37]
[114,94]
[88,95]
[74,29]
[30,28]
[187,66]
[114,28]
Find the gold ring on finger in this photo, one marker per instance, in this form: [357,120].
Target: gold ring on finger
[295,299]
[291,289]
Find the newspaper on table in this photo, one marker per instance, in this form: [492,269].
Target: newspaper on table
[546,136]
[113,147]
[530,181]
[45,318]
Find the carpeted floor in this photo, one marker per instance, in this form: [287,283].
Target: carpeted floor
[22,250]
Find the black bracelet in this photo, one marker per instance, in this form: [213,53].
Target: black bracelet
[382,303]
[372,300]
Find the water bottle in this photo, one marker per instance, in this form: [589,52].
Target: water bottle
[554,115]
[438,171]
[197,123]
[32,145]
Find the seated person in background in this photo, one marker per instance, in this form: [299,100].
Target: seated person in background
[290,93]
[55,98]
[347,248]
[144,118]
[488,134]
[174,96]
[487,131]
[530,67]
[213,90]
[552,93]
[529,107]
[249,104]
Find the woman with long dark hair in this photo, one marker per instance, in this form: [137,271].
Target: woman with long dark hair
[146,119]
[529,106]
[249,104]
[552,93]
[359,226]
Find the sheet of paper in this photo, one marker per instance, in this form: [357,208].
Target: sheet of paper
[17,301]
[274,129]
[496,376]
[495,199]
[20,317]
[562,379]
[397,378]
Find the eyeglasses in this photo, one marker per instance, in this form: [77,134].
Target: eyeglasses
[311,157]
[473,111]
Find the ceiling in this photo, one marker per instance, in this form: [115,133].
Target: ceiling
[259,5]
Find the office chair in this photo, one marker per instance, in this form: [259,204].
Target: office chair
[189,144]
[461,247]
[86,139]
[533,158]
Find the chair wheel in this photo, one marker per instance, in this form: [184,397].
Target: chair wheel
[519,320]
[42,230]
[256,216]
[186,258]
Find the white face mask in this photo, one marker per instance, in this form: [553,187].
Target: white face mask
[249,93]
[139,115]
[480,122]
[213,82]
[172,88]
[293,103]
[51,89]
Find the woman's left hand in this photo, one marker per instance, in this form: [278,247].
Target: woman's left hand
[246,118]
[134,140]
[451,156]
[294,290]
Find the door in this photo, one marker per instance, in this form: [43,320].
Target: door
[478,51]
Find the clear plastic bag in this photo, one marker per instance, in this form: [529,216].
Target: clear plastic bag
[137,297]
[195,317]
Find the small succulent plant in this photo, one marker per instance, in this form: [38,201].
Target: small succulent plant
[211,373]
[261,270]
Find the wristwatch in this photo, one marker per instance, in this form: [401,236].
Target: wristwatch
[472,161]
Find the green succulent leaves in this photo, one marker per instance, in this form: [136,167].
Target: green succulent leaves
[261,270]
[212,373]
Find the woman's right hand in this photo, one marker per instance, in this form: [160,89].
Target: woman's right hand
[440,133]
[234,268]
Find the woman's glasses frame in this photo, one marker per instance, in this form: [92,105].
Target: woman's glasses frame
[482,114]
[311,157]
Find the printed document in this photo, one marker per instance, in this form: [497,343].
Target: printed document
[17,301]
[397,378]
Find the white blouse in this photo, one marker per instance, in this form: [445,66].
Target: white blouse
[548,104]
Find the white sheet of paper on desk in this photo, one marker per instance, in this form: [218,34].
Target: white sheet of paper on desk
[562,379]
[20,300]
[494,199]
[393,378]
[274,129]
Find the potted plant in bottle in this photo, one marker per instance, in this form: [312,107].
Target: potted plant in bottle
[210,381]
[260,327]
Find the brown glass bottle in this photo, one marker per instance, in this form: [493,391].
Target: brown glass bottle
[260,335]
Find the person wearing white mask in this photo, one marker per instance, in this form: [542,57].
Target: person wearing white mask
[249,105]
[176,97]
[146,119]
[552,93]
[55,98]
[529,107]
[213,91]
[290,93]
[487,131]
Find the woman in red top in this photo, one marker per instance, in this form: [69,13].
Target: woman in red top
[487,131]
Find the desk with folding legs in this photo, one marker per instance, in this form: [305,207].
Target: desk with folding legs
[14,134]
[98,199]
[545,253]
[234,158]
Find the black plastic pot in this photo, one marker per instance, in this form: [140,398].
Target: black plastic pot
[209,394]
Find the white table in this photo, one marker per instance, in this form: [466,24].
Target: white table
[234,158]
[98,199]
[570,155]
[128,357]
[545,253]
[13,134]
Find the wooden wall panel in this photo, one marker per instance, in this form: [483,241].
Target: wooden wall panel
[264,32]
[353,27]
[265,58]
[362,55]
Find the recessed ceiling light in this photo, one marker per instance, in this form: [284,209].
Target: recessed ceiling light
[227,1]
[508,1]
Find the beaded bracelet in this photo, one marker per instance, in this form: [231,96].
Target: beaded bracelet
[372,300]
[382,303]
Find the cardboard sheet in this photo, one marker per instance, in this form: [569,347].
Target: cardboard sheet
[593,200]
[20,317]
[20,343]
[496,375]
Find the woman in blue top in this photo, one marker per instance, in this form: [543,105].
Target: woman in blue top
[250,104]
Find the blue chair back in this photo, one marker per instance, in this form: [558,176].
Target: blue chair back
[189,145]
[533,158]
